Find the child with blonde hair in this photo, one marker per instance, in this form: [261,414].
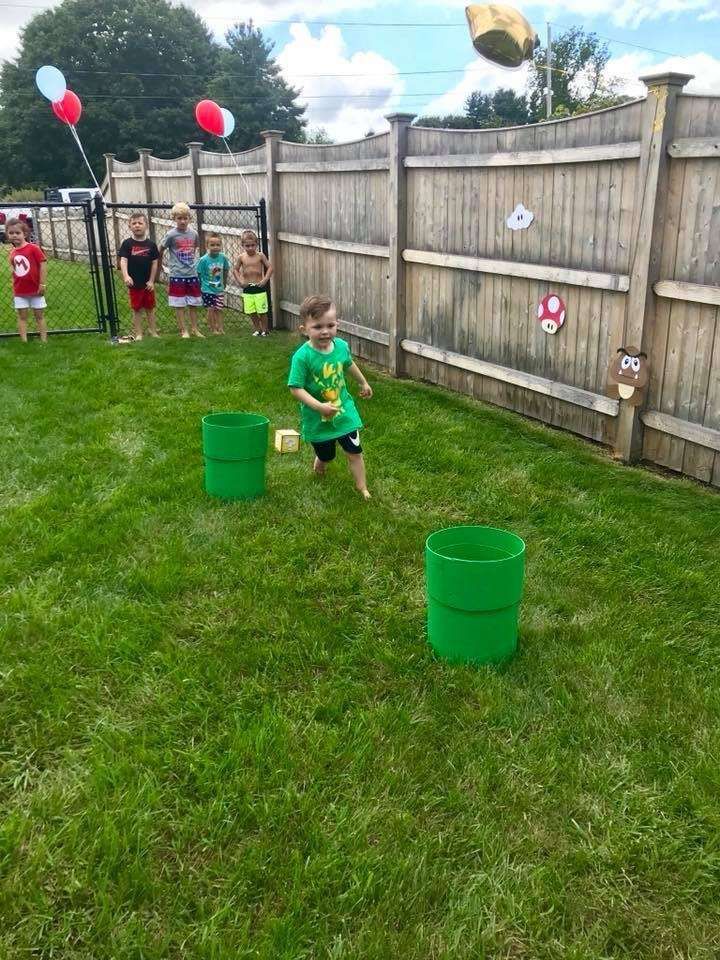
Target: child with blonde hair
[184,293]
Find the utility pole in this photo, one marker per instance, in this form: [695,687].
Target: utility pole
[548,74]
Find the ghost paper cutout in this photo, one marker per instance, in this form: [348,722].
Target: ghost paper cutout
[520,218]
[551,313]
[628,376]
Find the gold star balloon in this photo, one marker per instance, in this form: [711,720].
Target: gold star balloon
[500,34]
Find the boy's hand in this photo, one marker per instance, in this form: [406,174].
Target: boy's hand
[328,410]
[127,281]
[365,390]
[150,285]
[41,289]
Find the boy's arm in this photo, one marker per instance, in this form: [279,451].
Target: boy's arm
[124,271]
[324,409]
[43,276]
[237,271]
[153,273]
[357,375]
[268,269]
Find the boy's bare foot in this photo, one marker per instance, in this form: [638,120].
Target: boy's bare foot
[319,467]
[185,335]
[365,494]
[196,333]
[138,336]
[154,333]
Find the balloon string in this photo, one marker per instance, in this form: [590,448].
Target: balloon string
[244,181]
[87,163]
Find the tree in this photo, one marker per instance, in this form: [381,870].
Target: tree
[317,135]
[578,66]
[248,82]
[139,66]
[452,121]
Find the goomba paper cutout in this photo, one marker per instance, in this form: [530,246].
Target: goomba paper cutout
[500,34]
[520,218]
[551,313]
[628,376]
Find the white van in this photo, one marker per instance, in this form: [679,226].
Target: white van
[70,194]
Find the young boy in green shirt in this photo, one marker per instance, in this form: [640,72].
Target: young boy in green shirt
[317,379]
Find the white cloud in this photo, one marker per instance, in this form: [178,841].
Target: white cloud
[363,88]
[479,75]
[629,67]
[623,13]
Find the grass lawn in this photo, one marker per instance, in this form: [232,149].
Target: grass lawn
[223,735]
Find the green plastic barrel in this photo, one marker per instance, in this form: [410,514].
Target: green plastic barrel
[235,449]
[474,585]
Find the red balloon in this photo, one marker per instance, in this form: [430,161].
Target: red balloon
[209,116]
[68,109]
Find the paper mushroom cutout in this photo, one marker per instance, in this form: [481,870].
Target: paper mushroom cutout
[628,376]
[500,34]
[551,313]
[520,218]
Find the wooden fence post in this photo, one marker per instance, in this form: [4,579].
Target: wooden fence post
[194,153]
[146,187]
[109,157]
[657,130]
[272,200]
[397,230]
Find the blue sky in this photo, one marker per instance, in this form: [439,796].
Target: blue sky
[353,75]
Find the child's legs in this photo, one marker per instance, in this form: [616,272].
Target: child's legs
[357,469]
[351,445]
[262,319]
[137,324]
[324,454]
[151,322]
[41,325]
[22,315]
[180,313]
[255,320]
[193,320]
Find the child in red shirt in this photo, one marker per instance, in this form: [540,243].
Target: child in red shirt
[29,268]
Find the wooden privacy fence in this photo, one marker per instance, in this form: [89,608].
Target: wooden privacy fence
[407,231]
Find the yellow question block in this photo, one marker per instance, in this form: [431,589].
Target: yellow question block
[287,441]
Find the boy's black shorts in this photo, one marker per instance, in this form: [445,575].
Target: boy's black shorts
[325,449]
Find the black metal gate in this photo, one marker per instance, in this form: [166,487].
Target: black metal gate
[81,240]
[226,220]
[75,291]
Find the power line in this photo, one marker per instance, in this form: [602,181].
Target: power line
[625,43]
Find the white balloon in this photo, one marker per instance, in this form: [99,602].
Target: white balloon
[228,122]
[51,83]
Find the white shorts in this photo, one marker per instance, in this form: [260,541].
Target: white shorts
[185,301]
[30,303]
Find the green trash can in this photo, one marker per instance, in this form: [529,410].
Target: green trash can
[235,450]
[474,585]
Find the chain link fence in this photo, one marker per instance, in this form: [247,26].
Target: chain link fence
[67,234]
[228,222]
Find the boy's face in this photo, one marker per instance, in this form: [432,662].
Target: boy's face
[181,221]
[321,330]
[138,228]
[214,246]
[250,246]
[16,235]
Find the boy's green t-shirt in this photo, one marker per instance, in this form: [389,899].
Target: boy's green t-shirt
[211,271]
[323,376]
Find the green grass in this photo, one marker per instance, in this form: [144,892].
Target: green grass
[223,734]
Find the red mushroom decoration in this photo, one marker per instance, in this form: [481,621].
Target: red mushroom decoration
[551,313]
